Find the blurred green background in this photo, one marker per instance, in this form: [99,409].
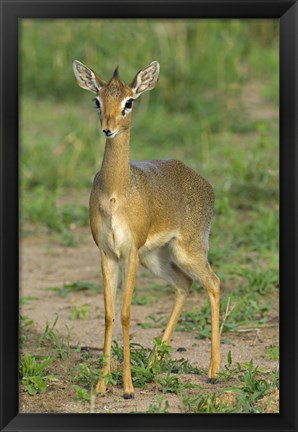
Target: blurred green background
[215,108]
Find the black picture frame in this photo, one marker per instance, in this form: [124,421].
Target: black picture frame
[11,11]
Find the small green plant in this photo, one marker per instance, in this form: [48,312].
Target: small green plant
[80,312]
[160,407]
[230,371]
[27,299]
[49,333]
[74,287]
[141,374]
[33,374]
[272,352]
[156,322]
[82,394]
[259,281]
[253,380]
[204,403]
[169,383]
[182,366]
[50,337]
[154,366]
[141,300]
[147,365]
[117,351]
[67,238]
[162,348]
[196,320]
[255,383]
[160,351]
[24,323]
[88,375]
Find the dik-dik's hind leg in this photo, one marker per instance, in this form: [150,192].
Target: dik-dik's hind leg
[197,266]
[159,261]
[211,283]
[110,282]
[182,283]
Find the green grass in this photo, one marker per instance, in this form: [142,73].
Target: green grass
[39,206]
[220,47]
[82,394]
[33,373]
[196,112]
[272,352]
[80,312]
[27,299]
[73,288]
[252,385]
[241,387]
[163,373]
[51,339]
[161,406]
[24,323]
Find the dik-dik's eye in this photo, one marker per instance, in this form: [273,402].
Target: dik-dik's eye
[127,106]
[97,103]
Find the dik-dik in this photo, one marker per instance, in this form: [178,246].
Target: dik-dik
[157,213]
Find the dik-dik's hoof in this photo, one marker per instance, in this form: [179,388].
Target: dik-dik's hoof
[100,388]
[211,380]
[128,395]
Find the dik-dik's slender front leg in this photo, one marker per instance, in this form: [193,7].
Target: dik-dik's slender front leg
[110,282]
[129,275]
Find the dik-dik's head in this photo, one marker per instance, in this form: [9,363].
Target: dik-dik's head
[114,100]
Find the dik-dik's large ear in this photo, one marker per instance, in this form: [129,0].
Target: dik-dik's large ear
[86,78]
[146,79]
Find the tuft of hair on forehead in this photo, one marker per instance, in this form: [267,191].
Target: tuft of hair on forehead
[115,79]
[116,86]
[116,72]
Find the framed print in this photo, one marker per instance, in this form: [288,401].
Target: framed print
[148,246]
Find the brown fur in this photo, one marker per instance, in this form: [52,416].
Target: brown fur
[155,212]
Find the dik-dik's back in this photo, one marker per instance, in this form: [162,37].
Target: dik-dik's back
[173,187]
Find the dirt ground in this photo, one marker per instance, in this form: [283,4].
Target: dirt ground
[45,263]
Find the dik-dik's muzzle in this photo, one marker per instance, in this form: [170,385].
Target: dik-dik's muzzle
[107,132]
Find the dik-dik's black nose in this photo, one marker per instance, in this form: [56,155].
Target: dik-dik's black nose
[107,132]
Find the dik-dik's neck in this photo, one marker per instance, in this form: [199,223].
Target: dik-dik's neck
[115,169]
